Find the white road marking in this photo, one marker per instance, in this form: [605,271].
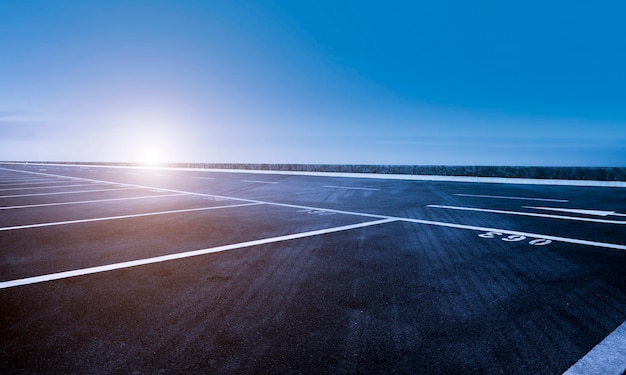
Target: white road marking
[608,357]
[67,192]
[29,226]
[205,178]
[27,180]
[90,201]
[419,221]
[47,187]
[349,187]
[514,232]
[576,218]
[518,198]
[578,211]
[260,182]
[187,254]
[38,182]
[162,175]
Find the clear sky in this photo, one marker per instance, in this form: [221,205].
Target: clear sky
[319,81]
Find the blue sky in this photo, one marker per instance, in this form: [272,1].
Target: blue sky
[445,82]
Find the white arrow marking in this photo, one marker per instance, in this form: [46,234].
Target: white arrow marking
[593,220]
[578,211]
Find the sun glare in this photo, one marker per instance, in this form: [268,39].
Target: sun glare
[151,157]
[151,140]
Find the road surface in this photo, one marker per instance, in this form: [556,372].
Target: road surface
[110,270]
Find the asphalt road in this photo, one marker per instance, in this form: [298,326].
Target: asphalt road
[145,271]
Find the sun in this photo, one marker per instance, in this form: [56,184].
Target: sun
[151,157]
[151,150]
[150,140]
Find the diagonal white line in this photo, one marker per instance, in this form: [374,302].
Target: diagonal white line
[66,192]
[42,182]
[90,201]
[28,226]
[164,258]
[46,187]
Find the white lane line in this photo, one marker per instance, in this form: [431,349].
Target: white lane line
[419,221]
[204,178]
[260,182]
[162,175]
[519,213]
[90,201]
[349,187]
[29,226]
[608,357]
[47,187]
[518,198]
[578,211]
[68,192]
[187,254]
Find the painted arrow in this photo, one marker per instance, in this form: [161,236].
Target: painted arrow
[578,211]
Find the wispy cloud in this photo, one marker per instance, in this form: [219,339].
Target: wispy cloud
[16,113]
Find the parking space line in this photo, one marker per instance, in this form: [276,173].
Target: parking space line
[187,254]
[348,187]
[68,192]
[29,226]
[48,187]
[89,201]
[608,357]
[519,213]
[518,198]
